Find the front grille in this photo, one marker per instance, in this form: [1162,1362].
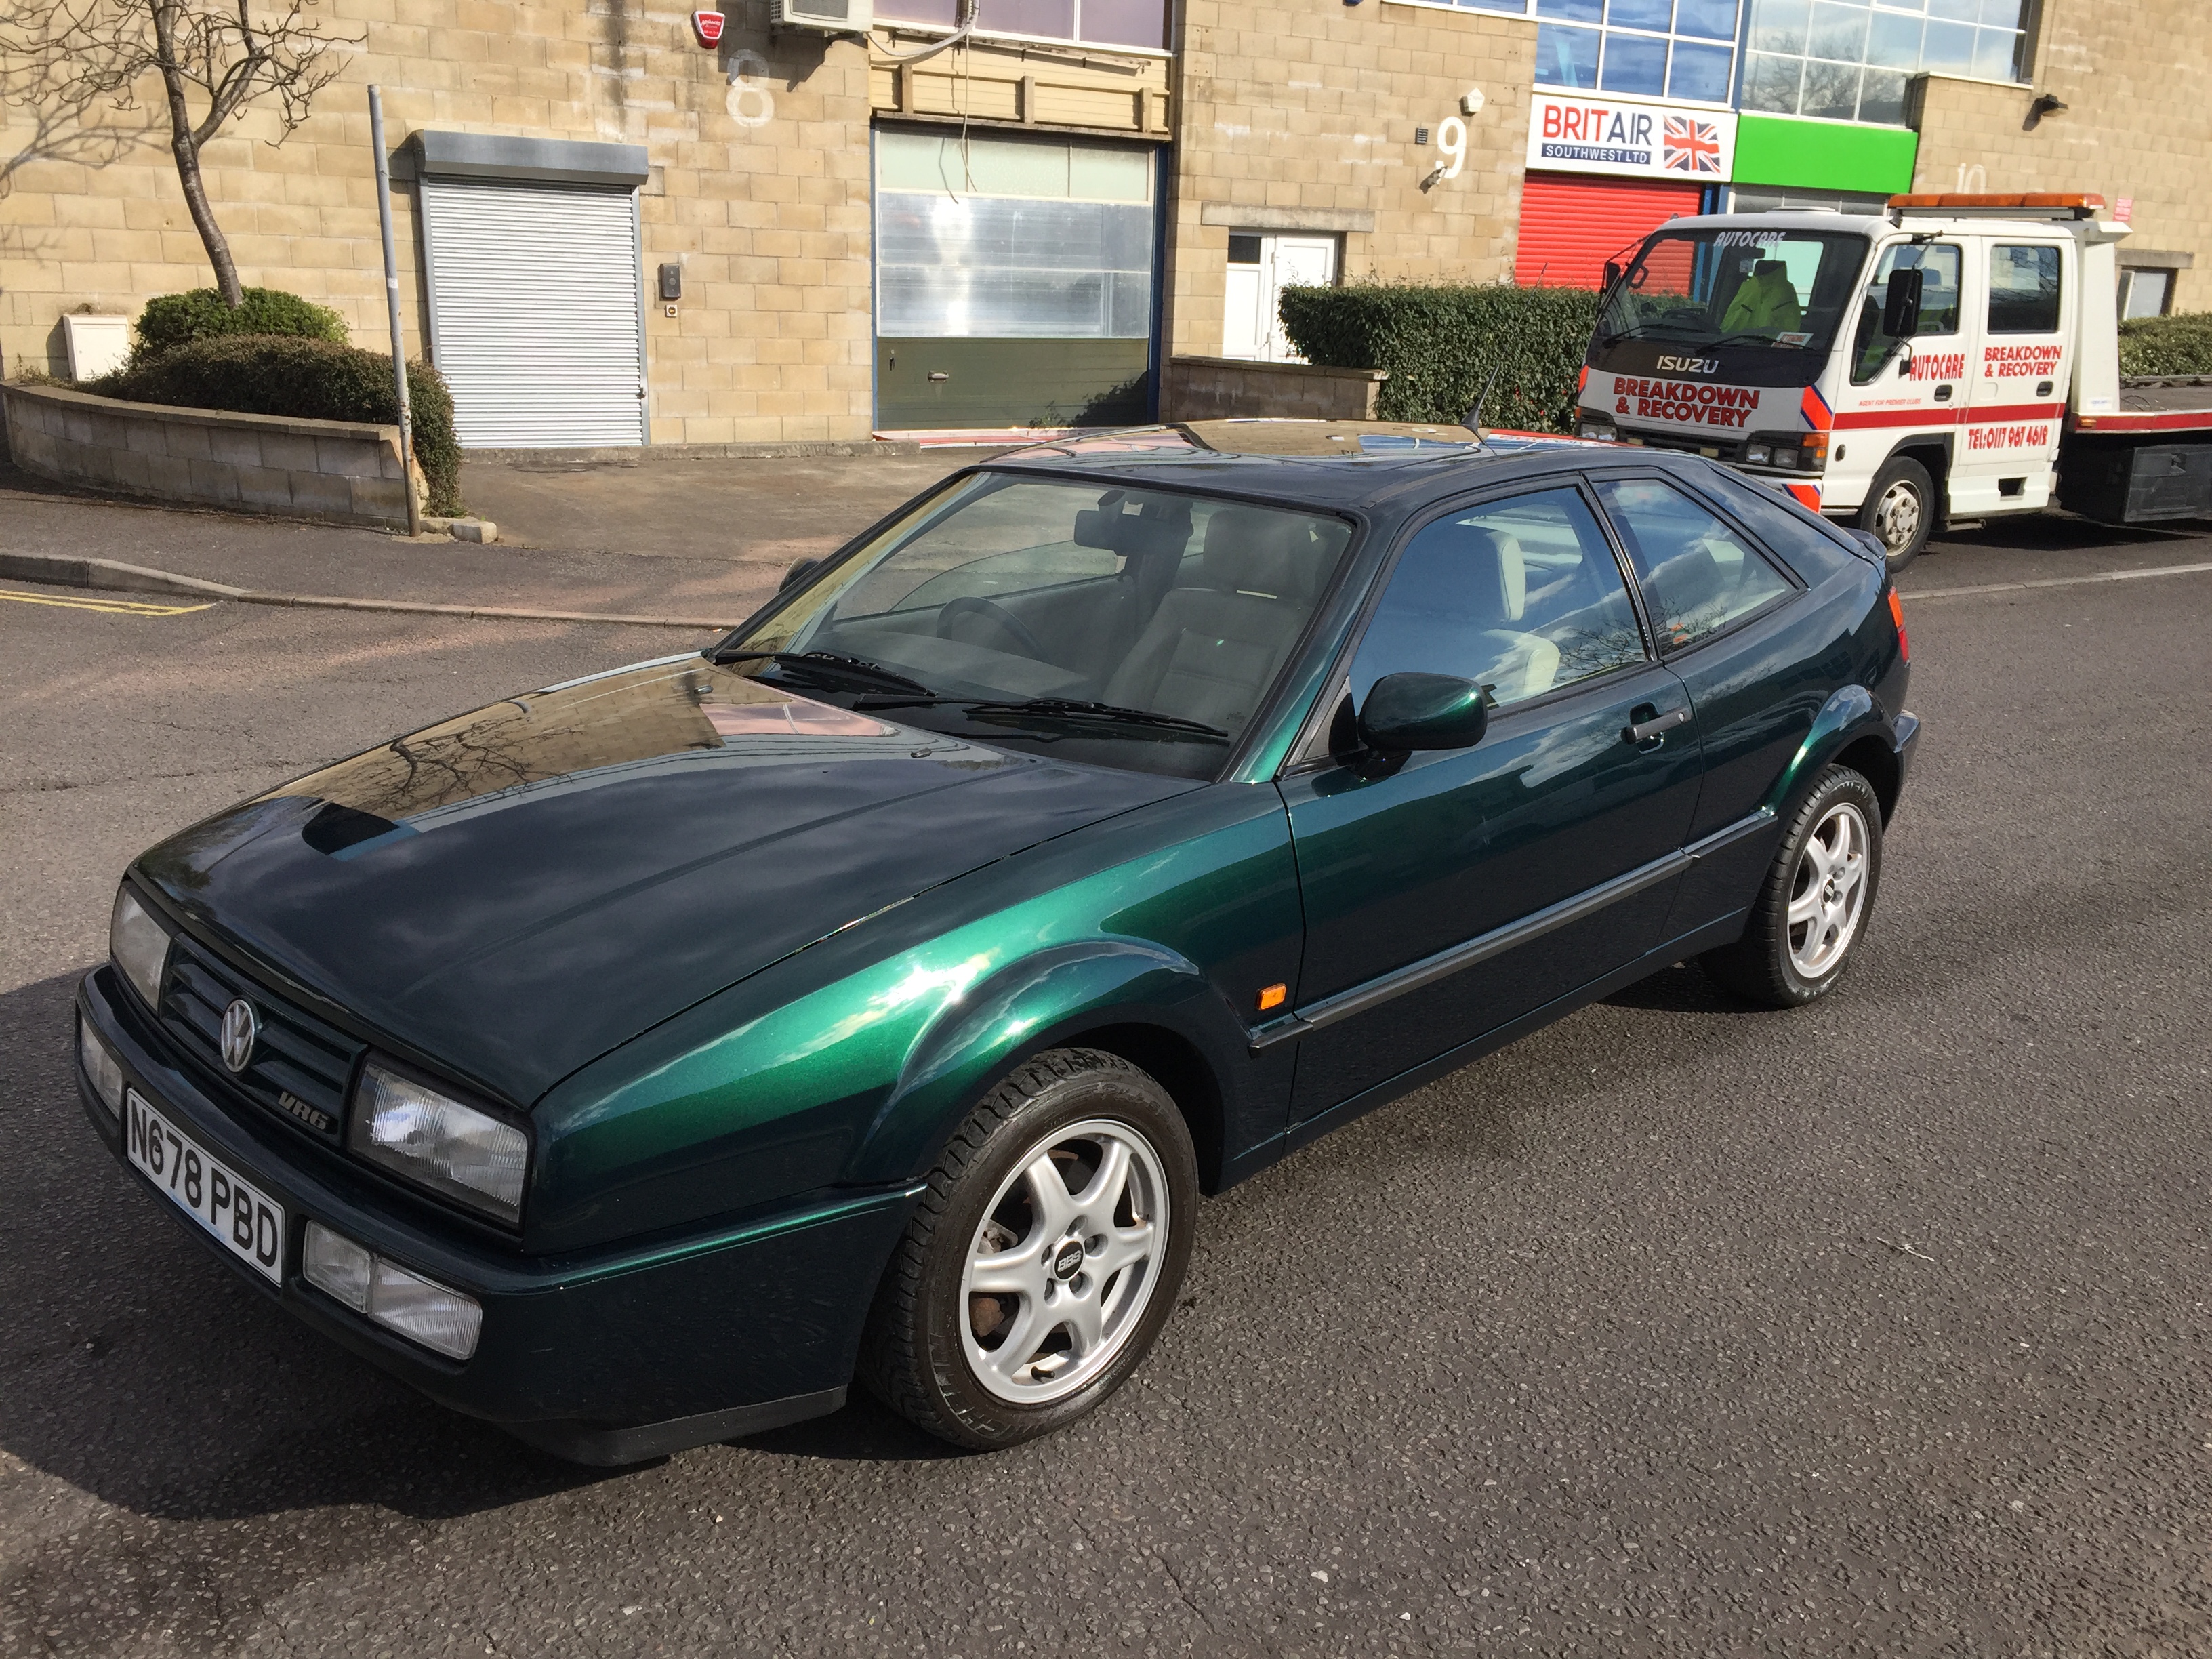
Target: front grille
[301,1066]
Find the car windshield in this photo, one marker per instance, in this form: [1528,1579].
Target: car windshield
[1133,627]
[1788,288]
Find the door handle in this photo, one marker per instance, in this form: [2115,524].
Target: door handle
[1653,730]
[1943,394]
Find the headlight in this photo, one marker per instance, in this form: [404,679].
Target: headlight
[432,1140]
[102,1066]
[139,945]
[417,1308]
[1596,430]
[1758,454]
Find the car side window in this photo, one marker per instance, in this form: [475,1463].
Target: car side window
[1801,539]
[1519,595]
[1698,575]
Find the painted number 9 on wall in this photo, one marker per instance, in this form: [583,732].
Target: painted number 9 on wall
[1451,139]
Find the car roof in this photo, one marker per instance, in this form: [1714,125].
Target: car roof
[1319,464]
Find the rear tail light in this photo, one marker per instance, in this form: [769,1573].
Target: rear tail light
[1897,615]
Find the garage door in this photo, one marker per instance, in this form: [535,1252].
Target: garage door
[535,312]
[1571,227]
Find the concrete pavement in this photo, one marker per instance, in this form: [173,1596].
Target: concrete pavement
[1678,1329]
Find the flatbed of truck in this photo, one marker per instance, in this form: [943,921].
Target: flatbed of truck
[2157,403]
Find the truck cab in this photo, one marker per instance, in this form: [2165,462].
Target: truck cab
[1898,370]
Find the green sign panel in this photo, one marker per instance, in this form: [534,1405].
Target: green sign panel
[1775,149]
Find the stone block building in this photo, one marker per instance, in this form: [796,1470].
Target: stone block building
[615,230]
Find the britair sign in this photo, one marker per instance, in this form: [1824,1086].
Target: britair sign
[1630,137]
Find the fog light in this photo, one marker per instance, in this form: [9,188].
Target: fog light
[336,1266]
[419,1309]
[101,1066]
[1758,454]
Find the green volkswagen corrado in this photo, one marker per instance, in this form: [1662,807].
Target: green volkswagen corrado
[635,1062]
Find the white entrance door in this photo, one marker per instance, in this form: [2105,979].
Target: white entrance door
[537,316]
[1261,266]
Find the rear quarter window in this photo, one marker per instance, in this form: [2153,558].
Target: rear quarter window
[1805,541]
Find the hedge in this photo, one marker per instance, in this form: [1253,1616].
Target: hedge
[305,380]
[2167,345]
[174,319]
[1441,345]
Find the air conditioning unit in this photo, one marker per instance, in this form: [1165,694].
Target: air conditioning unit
[824,16]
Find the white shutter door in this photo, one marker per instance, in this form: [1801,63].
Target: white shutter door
[535,312]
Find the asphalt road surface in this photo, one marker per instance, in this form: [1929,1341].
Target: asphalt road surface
[1678,1329]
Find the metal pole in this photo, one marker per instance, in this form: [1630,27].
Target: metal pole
[392,301]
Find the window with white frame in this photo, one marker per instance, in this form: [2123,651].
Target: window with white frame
[1682,48]
[1849,60]
[1141,23]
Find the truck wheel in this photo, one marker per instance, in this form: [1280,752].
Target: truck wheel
[1901,510]
[1042,1257]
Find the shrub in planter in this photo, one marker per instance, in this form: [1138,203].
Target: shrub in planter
[2167,345]
[306,380]
[174,319]
[1441,344]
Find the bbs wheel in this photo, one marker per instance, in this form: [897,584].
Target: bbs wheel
[1900,511]
[1044,1257]
[1811,912]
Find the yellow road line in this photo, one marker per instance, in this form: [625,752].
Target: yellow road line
[116,607]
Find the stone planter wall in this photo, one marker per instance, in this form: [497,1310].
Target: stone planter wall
[1229,388]
[339,472]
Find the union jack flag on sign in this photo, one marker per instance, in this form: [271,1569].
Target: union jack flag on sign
[1691,145]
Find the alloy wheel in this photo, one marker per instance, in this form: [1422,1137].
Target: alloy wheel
[1828,893]
[1065,1263]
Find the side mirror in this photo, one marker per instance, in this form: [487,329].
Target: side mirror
[1900,304]
[799,573]
[1611,272]
[1406,712]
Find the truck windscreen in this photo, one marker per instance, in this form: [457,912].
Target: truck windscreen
[1781,288]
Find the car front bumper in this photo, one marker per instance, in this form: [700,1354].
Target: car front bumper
[607,1358]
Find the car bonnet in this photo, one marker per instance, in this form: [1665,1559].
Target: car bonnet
[515,892]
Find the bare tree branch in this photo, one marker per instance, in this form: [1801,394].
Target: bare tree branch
[64,60]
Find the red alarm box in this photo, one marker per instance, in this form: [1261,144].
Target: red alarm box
[708,25]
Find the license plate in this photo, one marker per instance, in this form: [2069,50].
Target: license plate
[249,1223]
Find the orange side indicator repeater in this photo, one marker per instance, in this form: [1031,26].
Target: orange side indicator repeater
[1273,996]
[1897,615]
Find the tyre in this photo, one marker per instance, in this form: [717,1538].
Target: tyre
[1812,909]
[1900,511]
[1042,1258]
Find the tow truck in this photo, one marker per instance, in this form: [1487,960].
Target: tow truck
[1951,359]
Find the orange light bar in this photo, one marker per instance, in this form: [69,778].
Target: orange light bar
[1897,614]
[2031,199]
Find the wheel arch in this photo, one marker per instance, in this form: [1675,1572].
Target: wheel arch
[1933,452]
[1147,1005]
[1873,759]
[1849,724]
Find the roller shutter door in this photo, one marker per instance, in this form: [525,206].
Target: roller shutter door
[1570,227]
[534,318]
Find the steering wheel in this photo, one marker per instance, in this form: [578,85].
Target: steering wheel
[971,605]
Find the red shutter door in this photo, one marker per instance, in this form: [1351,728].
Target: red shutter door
[1570,227]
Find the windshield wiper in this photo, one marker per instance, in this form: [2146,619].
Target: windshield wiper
[852,668]
[1054,707]
[1635,329]
[1750,337]
[1077,709]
